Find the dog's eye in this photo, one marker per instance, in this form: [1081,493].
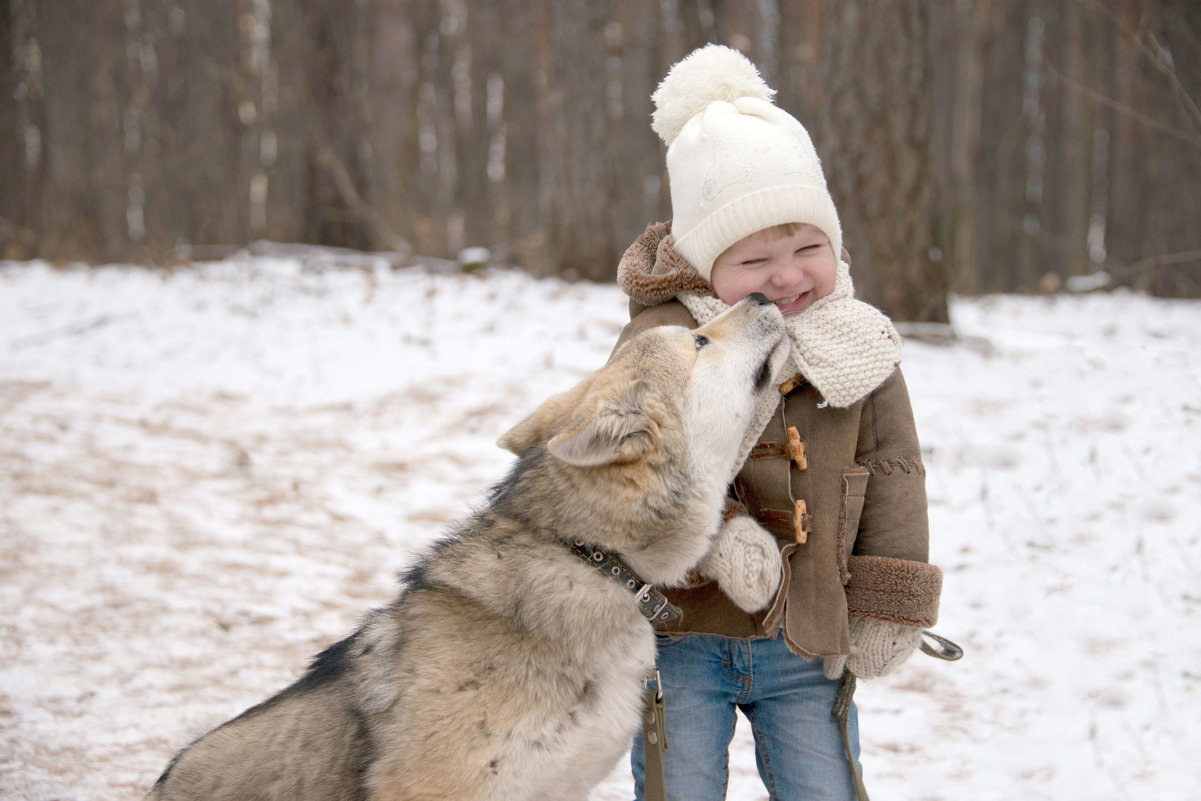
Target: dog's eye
[701,341]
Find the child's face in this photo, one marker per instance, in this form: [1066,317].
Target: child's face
[792,270]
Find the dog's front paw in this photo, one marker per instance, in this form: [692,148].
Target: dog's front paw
[744,560]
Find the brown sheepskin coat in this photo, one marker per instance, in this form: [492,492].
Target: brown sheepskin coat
[861,481]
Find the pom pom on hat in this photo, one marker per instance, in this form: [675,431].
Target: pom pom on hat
[737,164]
[711,73]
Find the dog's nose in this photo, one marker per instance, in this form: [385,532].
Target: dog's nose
[758,299]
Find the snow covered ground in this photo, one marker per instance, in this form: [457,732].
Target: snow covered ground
[207,475]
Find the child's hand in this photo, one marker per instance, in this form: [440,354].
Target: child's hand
[744,560]
[877,649]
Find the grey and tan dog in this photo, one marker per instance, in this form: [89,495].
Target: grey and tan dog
[509,667]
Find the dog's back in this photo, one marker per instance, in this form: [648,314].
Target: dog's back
[307,742]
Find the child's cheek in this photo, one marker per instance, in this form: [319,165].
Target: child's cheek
[729,286]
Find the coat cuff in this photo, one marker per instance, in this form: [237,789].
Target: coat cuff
[894,590]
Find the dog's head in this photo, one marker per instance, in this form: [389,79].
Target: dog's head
[666,389]
[641,452]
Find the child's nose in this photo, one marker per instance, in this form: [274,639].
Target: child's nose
[787,273]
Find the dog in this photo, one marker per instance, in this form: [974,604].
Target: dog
[509,667]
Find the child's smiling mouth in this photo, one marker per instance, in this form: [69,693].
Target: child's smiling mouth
[794,304]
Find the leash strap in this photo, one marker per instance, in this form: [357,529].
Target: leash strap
[654,740]
[942,649]
[842,711]
[653,604]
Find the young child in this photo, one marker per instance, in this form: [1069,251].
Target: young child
[821,564]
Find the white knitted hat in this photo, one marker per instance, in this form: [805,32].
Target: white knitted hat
[737,163]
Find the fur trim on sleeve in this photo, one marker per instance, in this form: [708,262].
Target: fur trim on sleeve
[894,590]
[651,272]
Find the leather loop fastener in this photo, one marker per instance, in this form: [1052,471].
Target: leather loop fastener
[769,450]
[653,604]
[795,521]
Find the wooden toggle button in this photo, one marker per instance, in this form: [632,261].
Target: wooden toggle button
[800,522]
[796,448]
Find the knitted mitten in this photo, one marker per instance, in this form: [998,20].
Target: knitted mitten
[744,560]
[877,648]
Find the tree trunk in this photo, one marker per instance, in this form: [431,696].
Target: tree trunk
[582,242]
[874,138]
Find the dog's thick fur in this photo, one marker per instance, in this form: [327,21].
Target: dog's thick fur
[508,668]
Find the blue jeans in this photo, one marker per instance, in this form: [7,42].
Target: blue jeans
[787,699]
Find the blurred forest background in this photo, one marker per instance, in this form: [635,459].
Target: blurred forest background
[971,145]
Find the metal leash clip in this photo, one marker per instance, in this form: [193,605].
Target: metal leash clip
[942,648]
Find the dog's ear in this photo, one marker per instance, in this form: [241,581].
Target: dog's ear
[615,431]
[551,418]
